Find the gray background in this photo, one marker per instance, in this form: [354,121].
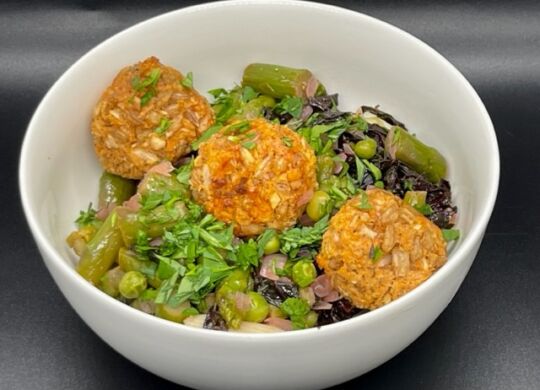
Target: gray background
[489,336]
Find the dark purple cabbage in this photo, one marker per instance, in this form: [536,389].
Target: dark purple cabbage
[214,320]
[275,292]
[341,310]
[324,111]
[399,178]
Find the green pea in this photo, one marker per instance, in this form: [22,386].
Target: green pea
[366,148]
[132,284]
[311,319]
[272,246]
[304,273]
[259,308]
[318,205]
[238,280]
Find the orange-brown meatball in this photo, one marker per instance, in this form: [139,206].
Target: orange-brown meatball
[145,116]
[255,175]
[378,248]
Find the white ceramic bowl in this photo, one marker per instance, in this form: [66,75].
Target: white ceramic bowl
[368,62]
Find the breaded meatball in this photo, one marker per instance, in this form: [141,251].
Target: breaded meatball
[145,116]
[255,175]
[378,248]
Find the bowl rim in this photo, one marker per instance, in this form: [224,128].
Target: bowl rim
[455,258]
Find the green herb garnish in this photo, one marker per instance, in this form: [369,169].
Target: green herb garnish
[237,128]
[360,170]
[307,235]
[86,217]
[164,124]
[249,145]
[147,96]
[450,234]
[146,85]
[183,173]
[296,309]
[247,254]
[363,203]
[287,141]
[149,81]
[375,171]
[290,105]
[375,253]
[206,135]
[424,208]
[217,92]
[248,94]
[188,80]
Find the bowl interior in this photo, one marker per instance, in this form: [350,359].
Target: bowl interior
[364,60]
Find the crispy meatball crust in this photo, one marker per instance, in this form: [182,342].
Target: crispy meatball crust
[375,255]
[124,122]
[260,176]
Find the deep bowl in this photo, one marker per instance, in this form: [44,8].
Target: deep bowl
[368,62]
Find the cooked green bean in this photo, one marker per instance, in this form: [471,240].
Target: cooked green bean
[172,313]
[101,251]
[111,280]
[280,81]
[131,261]
[411,151]
[114,189]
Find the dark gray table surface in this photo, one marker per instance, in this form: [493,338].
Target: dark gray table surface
[487,338]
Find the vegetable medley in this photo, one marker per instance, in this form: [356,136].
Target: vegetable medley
[267,210]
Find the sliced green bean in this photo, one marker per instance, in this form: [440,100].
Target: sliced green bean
[101,251]
[114,189]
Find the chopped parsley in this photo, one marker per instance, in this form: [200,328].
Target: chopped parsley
[183,173]
[287,141]
[249,144]
[290,105]
[375,171]
[424,208]
[147,85]
[147,96]
[296,309]
[149,81]
[247,254]
[237,128]
[263,239]
[206,135]
[375,253]
[188,80]
[86,217]
[164,124]
[217,92]
[248,94]
[360,170]
[363,203]
[297,237]
[450,234]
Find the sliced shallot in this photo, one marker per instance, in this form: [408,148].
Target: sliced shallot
[280,323]
[269,265]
